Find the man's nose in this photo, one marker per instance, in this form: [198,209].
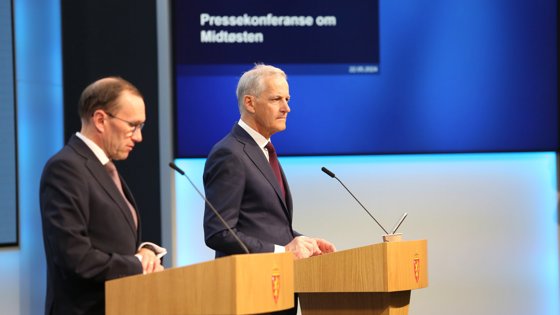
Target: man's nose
[286,107]
[137,135]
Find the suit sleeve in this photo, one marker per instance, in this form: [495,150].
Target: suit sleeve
[66,209]
[224,184]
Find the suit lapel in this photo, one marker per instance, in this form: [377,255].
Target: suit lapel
[257,157]
[101,175]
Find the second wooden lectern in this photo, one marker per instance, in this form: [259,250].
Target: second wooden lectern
[239,284]
[374,280]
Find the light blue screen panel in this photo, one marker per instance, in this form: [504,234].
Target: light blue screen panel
[8,175]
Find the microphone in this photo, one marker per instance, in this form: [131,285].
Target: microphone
[399,223]
[180,171]
[331,174]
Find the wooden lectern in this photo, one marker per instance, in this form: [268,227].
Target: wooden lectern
[375,279]
[239,284]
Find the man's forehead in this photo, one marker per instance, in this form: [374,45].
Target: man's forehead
[130,103]
[276,82]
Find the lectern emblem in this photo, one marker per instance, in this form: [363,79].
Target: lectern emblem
[416,264]
[275,284]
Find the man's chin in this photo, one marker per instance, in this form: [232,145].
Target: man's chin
[122,156]
[281,127]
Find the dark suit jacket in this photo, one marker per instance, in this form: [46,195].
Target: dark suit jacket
[240,183]
[88,231]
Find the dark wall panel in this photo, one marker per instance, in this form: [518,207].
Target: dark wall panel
[102,38]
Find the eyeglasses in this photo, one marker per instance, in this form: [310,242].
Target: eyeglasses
[133,125]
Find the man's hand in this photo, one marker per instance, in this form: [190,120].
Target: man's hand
[303,247]
[325,246]
[150,262]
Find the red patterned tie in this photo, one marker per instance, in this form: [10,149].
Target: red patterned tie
[273,160]
[112,169]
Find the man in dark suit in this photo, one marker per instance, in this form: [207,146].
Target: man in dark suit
[240,178]
[91,227]
[245,182]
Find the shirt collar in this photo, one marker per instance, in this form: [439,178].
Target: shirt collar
[99,153]
[259,139]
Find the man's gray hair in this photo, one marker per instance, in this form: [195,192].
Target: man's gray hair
[252,81]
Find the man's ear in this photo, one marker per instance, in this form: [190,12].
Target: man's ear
[98,120]
[249,103]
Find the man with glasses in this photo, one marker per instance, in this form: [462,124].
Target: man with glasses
[91,226]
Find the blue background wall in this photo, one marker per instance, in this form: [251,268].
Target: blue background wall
[39,111]
[491,220]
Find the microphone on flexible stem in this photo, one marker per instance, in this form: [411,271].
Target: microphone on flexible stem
[331,174]
[180,171]
[399,223]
